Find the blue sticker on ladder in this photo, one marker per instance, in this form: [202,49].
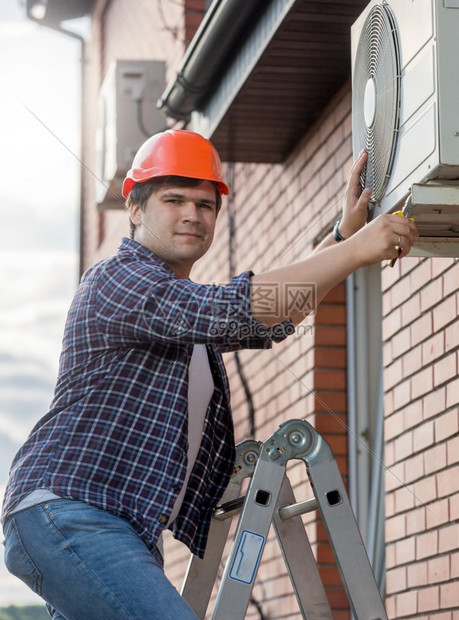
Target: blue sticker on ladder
[248,554]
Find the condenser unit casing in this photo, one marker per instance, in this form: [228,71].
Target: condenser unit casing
[413,130]
[127,116]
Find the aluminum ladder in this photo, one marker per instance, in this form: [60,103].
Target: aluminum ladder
[270,500]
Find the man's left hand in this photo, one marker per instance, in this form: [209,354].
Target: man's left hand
[355,203]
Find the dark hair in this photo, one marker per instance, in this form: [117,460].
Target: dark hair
[141,192]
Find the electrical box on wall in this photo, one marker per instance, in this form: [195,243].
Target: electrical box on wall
[127,116]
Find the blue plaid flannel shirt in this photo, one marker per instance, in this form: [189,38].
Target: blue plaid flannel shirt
[116,432]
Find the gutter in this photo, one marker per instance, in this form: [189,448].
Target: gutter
[221,31]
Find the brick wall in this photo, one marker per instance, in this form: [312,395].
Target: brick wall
[420,306]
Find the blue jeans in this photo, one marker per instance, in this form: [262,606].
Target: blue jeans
[88,564]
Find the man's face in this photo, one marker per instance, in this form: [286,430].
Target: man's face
[178,224]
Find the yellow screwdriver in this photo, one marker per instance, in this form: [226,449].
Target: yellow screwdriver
[405,212]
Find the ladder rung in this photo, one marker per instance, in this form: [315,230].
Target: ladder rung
[234,507]
[300,508]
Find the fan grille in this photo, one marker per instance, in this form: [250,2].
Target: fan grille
[376,98]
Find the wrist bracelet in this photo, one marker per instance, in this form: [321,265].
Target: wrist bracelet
[336,234]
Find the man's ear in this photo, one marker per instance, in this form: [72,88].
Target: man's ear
[134,214]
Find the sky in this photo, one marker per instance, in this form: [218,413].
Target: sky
[39,197]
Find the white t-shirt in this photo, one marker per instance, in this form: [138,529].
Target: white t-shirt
[200,390]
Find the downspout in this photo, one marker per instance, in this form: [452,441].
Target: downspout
[351,391]
[81,221]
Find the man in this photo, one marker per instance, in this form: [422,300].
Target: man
[139,436]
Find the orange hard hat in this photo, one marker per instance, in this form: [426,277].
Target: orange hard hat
[175,152]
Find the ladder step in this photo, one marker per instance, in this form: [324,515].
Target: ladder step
[234,507]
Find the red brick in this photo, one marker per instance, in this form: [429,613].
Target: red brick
[435,458]
[393,374]
[426,545]
[405,604]
[444,313]
[426,489]
[400,292]
[449,594]
[330,575]
[441,264]
[336,295]
[431,294]
[393,426]
[438,569]
[423,436]
[411,309]
[404,499]
[405,551]
[447,481]
[401,342]
[390,505]
[414,468]
[332,357]
[428,599]
[421,275]
[453,503]
[390,607]
[415,521]
[451,336]
[387,354]
[445,369]
[412,414]
[437,514]
[434,402]
[422,383]
[331,314]
[447,425]
[402,394]
[330,401]
[395,528]
[417,574]
[390,556]
[450,279]
[330,424]
[421,329]
[389,402]
[338,444]
[433,348]
[329,380]
[330,336]
[452,393]
[404,446]
[455,565]
[412,361]
[396,580]
[449,538]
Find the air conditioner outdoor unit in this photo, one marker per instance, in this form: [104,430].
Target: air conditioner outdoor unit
[127,116]
[405,111]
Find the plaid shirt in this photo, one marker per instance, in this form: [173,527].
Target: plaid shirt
[116,433]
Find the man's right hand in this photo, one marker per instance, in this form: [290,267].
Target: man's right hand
[380,239]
